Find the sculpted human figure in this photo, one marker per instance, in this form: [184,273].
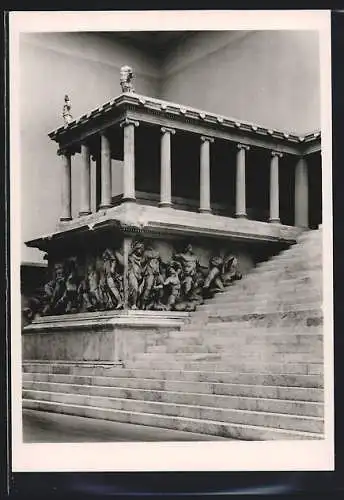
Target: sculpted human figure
[231,270]
[213,280]
[112,280]
[66,113]
[135,274]
[54,292]
[189,263]
[70,297]
[172,285]
[126,78]
[151,288]
[90,290]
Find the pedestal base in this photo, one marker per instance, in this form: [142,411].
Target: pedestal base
[107,336]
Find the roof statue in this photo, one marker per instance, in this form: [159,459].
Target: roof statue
[126,79]
[67,116]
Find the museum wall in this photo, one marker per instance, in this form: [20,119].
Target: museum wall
[86,67]
[271,78]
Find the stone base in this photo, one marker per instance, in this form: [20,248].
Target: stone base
[109,336]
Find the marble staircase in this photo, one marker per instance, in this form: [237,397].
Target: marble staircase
[248,364]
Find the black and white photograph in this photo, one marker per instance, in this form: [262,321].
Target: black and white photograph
[171,240]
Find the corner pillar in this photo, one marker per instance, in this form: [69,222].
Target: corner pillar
[66,187]
[85,181]
[301,194]
[240,202]
[129,159]
[204,206]
[165,167]
[274,187]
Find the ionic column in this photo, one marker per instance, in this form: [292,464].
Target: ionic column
[66,187]
[274,187]
[204,206]
[85,181]
[240,202]
[105,178]
[165,166]
[301,194]
[129,159]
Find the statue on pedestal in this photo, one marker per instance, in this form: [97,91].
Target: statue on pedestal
[66,113]
[126,79]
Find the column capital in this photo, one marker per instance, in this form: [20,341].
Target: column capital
[167,130]
[206,138]
[127,121]
[276,153]
[243,146]
[63,152]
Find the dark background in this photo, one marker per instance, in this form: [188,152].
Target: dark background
[82,485]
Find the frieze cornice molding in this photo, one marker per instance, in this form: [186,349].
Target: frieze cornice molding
[132,101]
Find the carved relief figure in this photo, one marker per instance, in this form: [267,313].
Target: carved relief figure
[151,289]
[231,270]
[189,264]
[135,274]
[112,282]
[54,291]
[172,286]
[89,290]
[213,281]
[126,79]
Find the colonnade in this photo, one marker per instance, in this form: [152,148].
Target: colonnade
[129,126]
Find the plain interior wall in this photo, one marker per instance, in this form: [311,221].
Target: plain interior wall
[268,77]
[86,67]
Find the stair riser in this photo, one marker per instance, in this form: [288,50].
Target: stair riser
[310,409]
[240,417]
[277,368]
[223,311]
[287,393]
[290,380]
[255,280]
[232,349]
[213,428]
[265,353]
[233,340]
[298,319]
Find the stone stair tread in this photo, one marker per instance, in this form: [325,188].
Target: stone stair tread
[158,403]
[109,411]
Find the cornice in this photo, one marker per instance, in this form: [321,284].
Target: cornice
[165,109]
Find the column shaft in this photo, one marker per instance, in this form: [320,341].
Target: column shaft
[274,187]
[66,188]
[129,160]
[106,177]
[85,181]
[205,175]
[301,194]
[240,208]
[165,166]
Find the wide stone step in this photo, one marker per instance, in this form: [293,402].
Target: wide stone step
[313,409]
[270,307]
[264,355]
[227,348]
[293,295]
[310,315]
[236,377]
[261,279]
[265,419]
[230,430]
[235,366]
[227,389]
